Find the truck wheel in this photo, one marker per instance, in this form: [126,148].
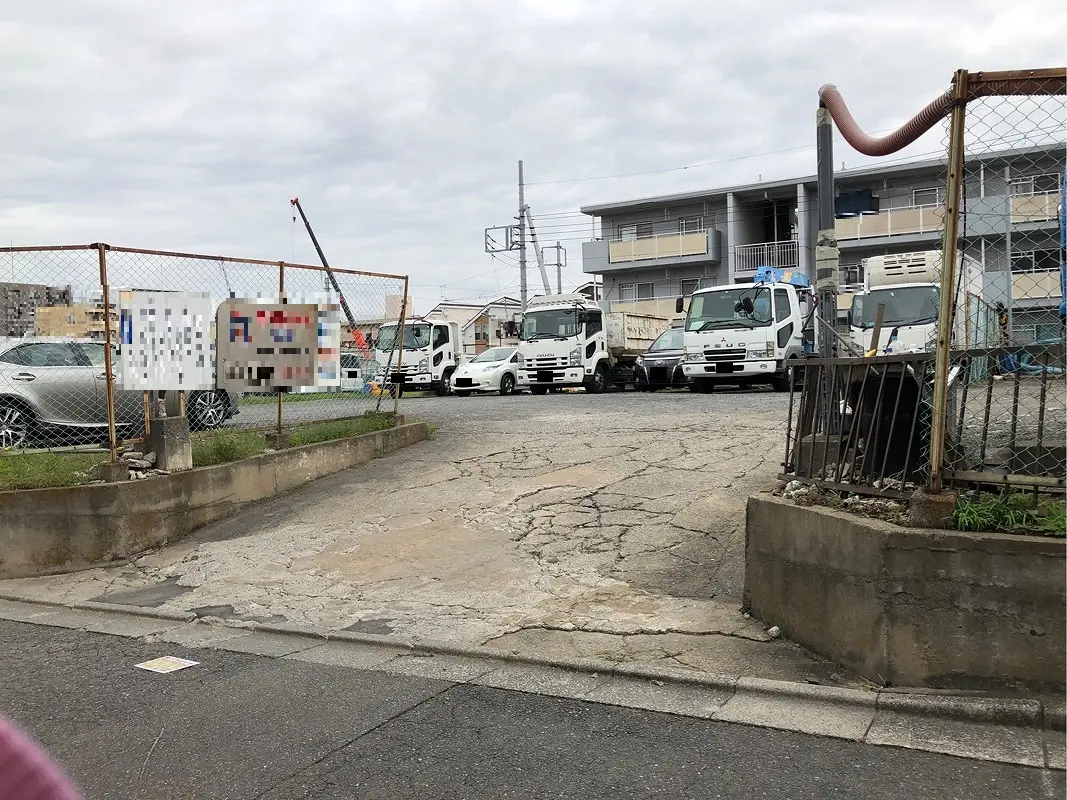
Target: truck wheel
[600,380]
[444,388]
[702,387]
[538,390]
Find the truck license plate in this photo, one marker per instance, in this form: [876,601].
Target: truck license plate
[544,377]
[728,367]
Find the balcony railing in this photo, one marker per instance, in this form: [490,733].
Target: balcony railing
[1035,207]
[664,245]
[1036,285]
[892,222]
[750,257]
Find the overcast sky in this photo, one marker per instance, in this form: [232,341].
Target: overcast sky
[189,125]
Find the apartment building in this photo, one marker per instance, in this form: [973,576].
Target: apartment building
[651,250]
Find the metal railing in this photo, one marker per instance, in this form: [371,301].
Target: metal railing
[861,425]
[750,257]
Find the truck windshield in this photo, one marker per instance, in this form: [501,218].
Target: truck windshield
[909,305]
[549,324]
[722,309]
[415,337]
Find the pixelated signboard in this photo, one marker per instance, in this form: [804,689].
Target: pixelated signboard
[266,346]
[166,341]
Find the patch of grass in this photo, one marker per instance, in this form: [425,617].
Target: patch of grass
[44,470]
[226,446]
[296,397]
[1012,512]
[339,429]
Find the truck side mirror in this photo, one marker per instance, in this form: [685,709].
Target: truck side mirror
[746,304]
[579,318]
[679,305]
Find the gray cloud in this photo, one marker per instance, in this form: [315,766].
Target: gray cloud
[189,126]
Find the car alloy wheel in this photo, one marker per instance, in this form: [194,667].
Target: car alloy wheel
[15,426]
[208,409]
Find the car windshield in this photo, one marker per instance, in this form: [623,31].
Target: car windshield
[495,354]
[723,309]
[671,340]
[908,305]
[549,324]
[416,337]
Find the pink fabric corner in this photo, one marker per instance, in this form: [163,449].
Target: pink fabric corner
[26,772]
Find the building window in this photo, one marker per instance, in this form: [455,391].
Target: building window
[690,224]
[689,285]
[634,230]
[628,292]
[1034,260]
[928,197]
[1034,184]
[853,273]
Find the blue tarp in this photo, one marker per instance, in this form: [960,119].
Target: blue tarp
[778,275]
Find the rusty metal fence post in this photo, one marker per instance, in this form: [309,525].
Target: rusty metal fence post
[109,373]
[947,299]
[281,298]
[400,352]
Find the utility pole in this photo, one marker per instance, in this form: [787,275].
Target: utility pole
[559,264]
[559,270]
[827,256]
[522,240]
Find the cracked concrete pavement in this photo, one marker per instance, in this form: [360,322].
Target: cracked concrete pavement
[607,527]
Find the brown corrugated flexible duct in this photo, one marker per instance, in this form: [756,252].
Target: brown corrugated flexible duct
[907,133]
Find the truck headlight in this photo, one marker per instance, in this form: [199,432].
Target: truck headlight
[576,357]
[520,360]
[766,351]
[694,357]
[424,365]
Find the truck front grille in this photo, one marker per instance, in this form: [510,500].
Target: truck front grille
[724,355]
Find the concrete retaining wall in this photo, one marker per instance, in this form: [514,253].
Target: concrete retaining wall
[909,607]
[49,530]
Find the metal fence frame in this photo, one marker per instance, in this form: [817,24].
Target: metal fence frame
[103,250]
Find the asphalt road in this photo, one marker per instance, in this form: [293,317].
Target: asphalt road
[242,726]
[464,412]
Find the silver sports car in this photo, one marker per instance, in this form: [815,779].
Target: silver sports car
[54,392]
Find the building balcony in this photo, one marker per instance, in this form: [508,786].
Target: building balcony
[1035,207]
[892,222]
[664,245]
[1037,285]
[660,250]
[750,257]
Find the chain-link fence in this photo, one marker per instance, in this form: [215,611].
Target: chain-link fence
[957,353]
[1007,323]
[296,344]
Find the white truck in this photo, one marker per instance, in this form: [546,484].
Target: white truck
[908,284]
[568,340]
[428,354]
[749,333]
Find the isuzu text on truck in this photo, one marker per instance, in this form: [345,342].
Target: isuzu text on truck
[428,355]
[567,340]
[750,332]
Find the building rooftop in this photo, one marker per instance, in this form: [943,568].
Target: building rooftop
[900,169]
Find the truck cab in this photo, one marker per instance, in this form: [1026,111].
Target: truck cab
[424,357]
[749,333]
[563,344]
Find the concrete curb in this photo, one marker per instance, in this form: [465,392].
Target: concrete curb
[1014,712]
